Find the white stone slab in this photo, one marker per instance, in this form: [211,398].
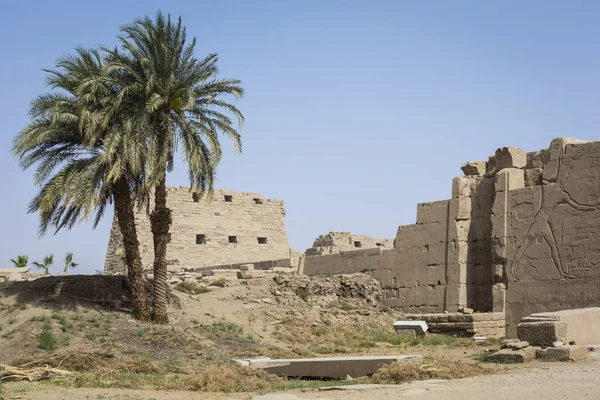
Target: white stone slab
[326,367]
[419,327]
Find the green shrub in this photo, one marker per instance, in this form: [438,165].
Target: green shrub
[48,341]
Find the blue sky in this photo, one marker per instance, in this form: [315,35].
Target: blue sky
[356,111]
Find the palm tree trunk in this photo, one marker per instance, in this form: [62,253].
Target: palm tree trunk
[160,220]
[126,219]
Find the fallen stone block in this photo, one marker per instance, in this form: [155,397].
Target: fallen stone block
[244,275]
[582,324]
[326,367]
[565,353]
[410,328]
[519,344]
[542,333]
[465,310]
[507,356]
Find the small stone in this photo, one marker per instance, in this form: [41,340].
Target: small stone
[465,310]
[266,300]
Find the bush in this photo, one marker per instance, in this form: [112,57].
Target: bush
[48,340]
[219,282]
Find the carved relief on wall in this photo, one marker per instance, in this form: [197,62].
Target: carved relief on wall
[561,239]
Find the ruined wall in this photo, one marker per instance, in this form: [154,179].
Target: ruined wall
[550,242]
[229,228]
[437,264]
[520,234]
[334,242]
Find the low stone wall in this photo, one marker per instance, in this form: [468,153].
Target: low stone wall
[260,265]
[490,325]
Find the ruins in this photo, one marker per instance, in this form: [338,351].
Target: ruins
[227,228]
[518,235]
[334,242]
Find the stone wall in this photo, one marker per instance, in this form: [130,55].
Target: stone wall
[229,228]
[489,325]
[549,244]
[334,242]
[520,235]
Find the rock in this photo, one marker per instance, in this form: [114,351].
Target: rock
[277,293]
[474,168]
[175,281]
[518,345]
[565,353]
[465,310]
[266,300]
[542,333]
[15,277]
[507,342]
[513,356]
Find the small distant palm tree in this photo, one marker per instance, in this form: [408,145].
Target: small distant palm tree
[69,263]
[20,262]
[46,264]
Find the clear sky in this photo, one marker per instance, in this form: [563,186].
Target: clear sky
[356,110]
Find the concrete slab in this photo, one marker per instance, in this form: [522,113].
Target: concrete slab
[326,367]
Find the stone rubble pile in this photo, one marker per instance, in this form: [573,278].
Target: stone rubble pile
[357,289]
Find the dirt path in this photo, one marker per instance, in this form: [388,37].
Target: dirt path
[551,382]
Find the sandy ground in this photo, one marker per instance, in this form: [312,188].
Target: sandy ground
[540,381]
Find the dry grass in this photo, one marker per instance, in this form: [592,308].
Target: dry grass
[191,288]
[231,378]
[400,372]
[219,282]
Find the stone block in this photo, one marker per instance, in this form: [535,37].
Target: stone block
[510,179]
[466,310]
[533,177]
[542,333]
[566,353]
[474,168]
[436,211]
[244,275]
[326,367]
[510,157]
[506,356]
[413,328]
[247,267]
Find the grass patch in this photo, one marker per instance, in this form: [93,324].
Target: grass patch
[400,372]
[191,288]
[9,334]
[64,322]
[47,340]
[39,318]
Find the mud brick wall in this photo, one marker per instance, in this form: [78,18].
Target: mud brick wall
[490,325]
[229,228]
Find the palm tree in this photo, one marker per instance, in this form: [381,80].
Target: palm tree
[45,264]
[69,263]
[82,164]
[177,102]
[20,262]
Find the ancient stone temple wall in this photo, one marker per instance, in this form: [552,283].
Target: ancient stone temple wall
[520,234]
[229,228]
[551,235]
